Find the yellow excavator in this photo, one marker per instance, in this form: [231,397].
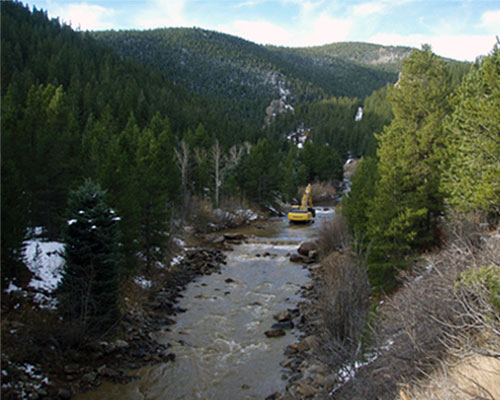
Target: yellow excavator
[305,212]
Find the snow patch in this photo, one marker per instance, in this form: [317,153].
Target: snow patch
[25,389]
[45,261]
[143,282]
[359,114]
[176,260]
[248,214]
[12,288]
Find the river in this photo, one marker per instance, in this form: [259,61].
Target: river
[219,342]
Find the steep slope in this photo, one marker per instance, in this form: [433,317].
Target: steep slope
[384,58]
[229,67]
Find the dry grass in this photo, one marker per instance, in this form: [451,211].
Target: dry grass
[333,235]
[204,218]
[476,377]
[435,334]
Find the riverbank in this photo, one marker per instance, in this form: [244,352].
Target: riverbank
[42,358]
[60,370]
[307,376]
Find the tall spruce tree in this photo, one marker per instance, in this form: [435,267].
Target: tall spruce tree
[358,201]
[471,178]
[154,168]
[88,292]
[407,202]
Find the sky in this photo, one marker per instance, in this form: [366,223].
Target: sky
[458,29]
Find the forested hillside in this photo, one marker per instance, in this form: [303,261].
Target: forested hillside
[114,141]
[225,66]
[74,109]
[114,106]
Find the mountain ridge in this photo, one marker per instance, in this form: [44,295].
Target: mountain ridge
[192,54]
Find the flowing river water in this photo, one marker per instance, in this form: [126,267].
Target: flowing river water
[219,342]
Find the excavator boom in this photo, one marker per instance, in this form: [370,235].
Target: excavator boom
[305,212]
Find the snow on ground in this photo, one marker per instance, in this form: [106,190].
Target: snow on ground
[248,214]
[143,282]
[45,260]
[25,388]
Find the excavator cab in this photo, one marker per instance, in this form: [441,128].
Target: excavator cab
[304,213]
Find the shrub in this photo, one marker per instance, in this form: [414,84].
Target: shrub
[345,302]
[333,235]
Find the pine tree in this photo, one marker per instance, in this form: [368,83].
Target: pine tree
[407,201]
[154,164]
[328,164]
[14,188]
[358,201]
[262,172]
[472,165]
[88,292]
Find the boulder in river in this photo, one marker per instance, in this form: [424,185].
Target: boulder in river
[283,325]
[306,248]
[235,236]
[282,316]
[275,333]
[297,258]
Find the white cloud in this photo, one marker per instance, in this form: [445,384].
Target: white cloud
[458,47]
[307,32]
[162,13]
[84,16]
[324,29]
[365,9]
[491,20]
[259,31]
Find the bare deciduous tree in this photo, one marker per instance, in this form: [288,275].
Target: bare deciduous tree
[182,160]
[222,164]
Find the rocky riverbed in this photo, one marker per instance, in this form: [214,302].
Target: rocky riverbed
[307,376]
[137,345]
[112,360]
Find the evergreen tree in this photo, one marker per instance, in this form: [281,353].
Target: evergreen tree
[308,157]
[290,181]
[328,164]
[472,165]
[154,163]
[262,172]
[358,201]
[88,292]
[14,188]
[407,202]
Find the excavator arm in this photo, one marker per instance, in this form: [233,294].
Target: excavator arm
[305,212]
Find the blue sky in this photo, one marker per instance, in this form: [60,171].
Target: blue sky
[459,29]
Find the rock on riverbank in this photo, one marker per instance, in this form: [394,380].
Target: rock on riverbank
[62,370]
[308,378]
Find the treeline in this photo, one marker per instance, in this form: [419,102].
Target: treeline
[438,158]
[72,109]
[221,65]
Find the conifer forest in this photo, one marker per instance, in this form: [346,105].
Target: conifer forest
[113,142]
